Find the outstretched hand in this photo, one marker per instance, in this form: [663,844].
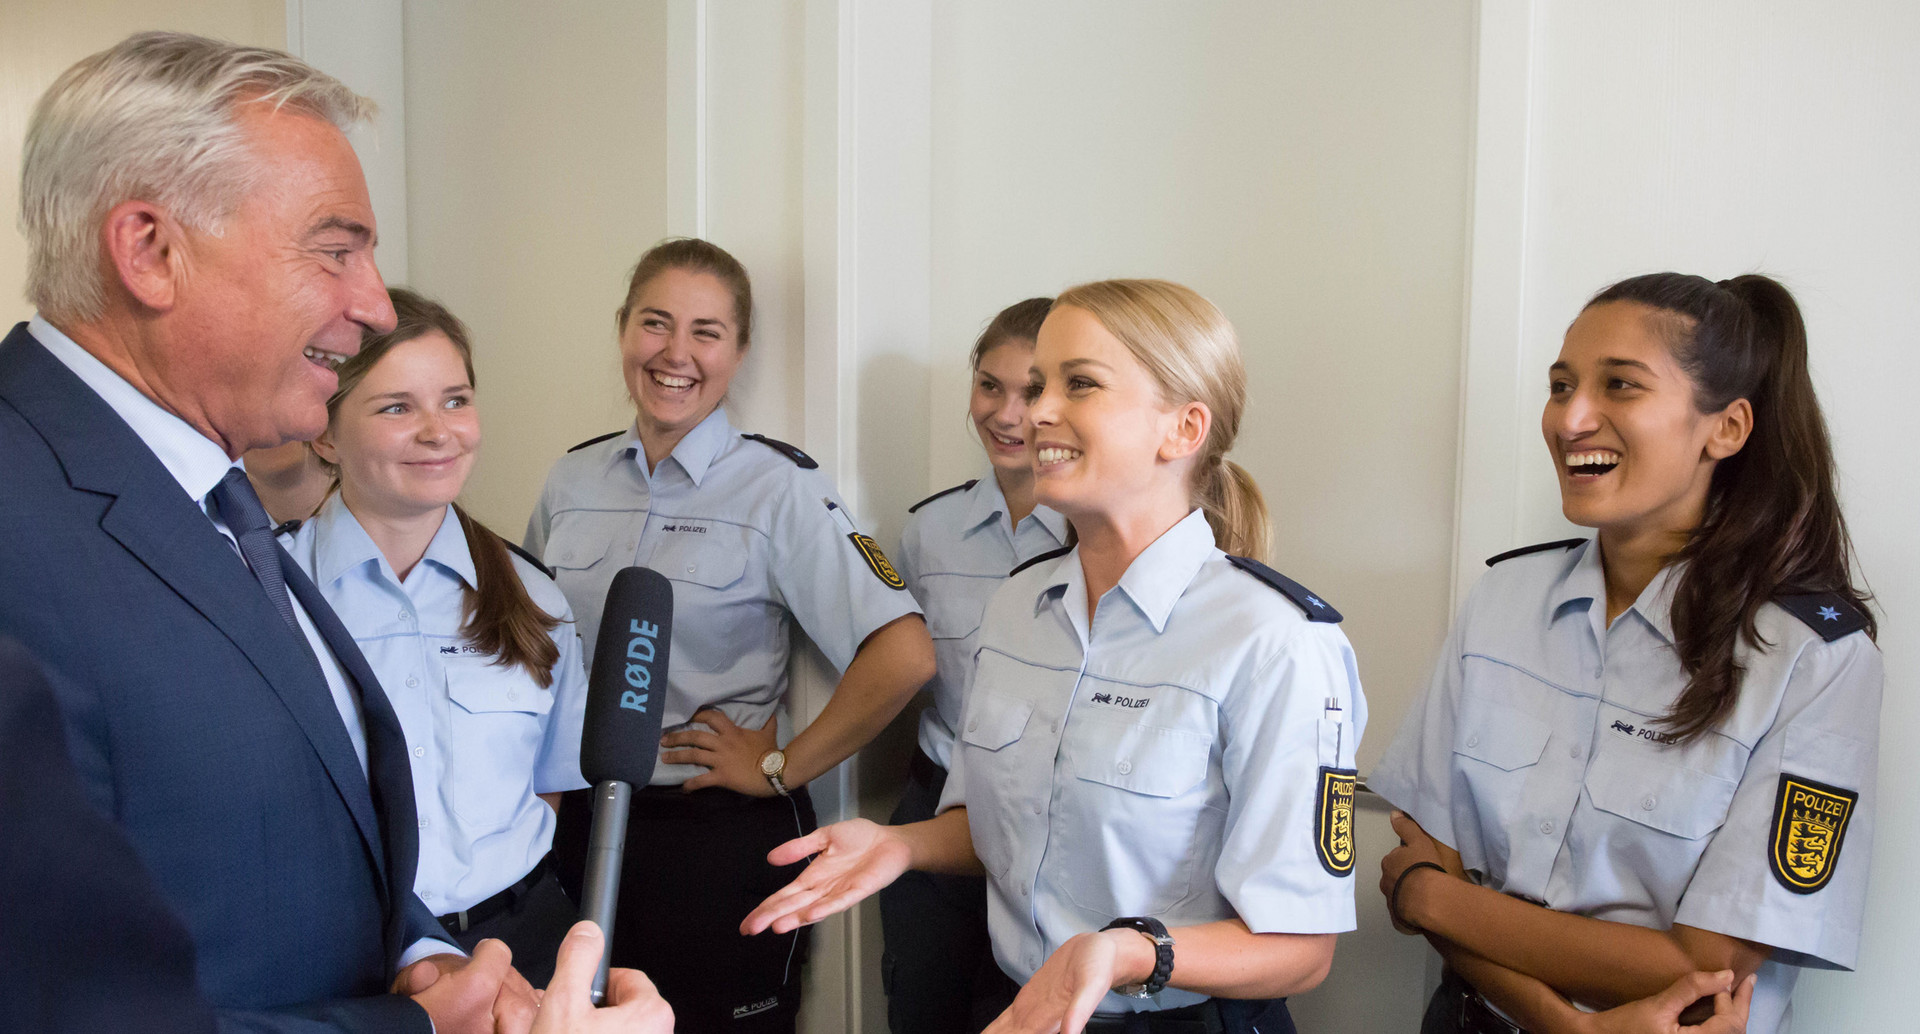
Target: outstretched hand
[1062,996]
[851,861]
[1660,1014]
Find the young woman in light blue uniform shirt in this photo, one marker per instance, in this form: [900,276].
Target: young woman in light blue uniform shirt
[1155,764]
[1652,751]
[754,539]
[475,646]
[956,549]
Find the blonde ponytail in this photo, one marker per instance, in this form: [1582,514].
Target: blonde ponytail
[1186,344]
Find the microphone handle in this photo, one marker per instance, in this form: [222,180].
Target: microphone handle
[606,849]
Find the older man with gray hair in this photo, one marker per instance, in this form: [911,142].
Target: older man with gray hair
[201,258]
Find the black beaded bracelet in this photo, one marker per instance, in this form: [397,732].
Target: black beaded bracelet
[1393,900]
[1155,931]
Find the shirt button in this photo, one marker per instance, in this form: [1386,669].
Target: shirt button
[568,555]
[404,615]
[1647,802]
[513,694]
[1546,828]
[1056,728]
[419,752]
[423,823]
[1473,741]
[689,568]
[1124,767]
[412,681]
[1573,751]
[1037,809]
[973,726]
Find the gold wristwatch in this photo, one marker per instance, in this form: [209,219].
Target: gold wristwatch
[772,764]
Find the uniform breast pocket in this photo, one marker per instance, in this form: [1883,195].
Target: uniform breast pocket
[1127,830]
[721,612]
[579,546]
[498,721]
[1656,792]
[993,725]
[954,604]
[1495,751]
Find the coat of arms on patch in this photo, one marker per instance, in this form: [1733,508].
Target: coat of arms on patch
[1333,820]
[1809,822]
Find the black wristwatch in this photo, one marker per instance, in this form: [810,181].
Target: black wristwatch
[1155,931]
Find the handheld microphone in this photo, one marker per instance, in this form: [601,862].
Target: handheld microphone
[620,733]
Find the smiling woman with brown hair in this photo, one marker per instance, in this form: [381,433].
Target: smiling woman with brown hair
[1643,753]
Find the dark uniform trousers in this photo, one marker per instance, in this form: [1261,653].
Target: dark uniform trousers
[696,864]
[1456,1008]
[938,968]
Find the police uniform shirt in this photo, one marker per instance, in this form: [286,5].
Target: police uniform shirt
[1163,759]
[956,549]
[748,537]
[484,738]
[1537,752]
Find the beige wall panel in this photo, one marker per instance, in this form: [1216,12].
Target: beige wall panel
[39,40]
[536,154]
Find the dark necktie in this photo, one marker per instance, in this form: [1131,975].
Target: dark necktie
[389,774]
[234,499]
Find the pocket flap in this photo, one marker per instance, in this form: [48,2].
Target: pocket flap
[1142,758]
[582,538]
[993,721]
[952,615]
[1502,737]
[1655,792]
[715,560]
[480,687]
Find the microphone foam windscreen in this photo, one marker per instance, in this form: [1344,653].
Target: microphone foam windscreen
[627,689]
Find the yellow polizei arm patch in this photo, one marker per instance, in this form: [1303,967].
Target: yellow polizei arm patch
[1809,825]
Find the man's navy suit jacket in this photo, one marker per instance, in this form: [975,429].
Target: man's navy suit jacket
[196,718]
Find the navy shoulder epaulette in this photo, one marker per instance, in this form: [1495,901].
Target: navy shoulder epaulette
[1828,613]
[597,440]
[286,528]
[1313,606]
[943,492]
[1538,548]
[800,459]
[1032,560]
[528,557]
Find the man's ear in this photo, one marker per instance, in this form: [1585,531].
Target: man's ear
[143,244]
[1187,431]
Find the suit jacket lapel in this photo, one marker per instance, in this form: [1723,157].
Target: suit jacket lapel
[172,536]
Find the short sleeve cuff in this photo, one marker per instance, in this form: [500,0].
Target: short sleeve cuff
[1816,941]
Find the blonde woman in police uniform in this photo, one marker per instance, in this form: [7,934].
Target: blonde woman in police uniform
[1652,751]
[1155,764]
[754,539]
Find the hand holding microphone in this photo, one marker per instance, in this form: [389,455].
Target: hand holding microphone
[620,734]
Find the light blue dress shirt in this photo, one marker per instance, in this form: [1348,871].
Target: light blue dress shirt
[955,550]
[198,463]
[1162,759]
[485,738]
[751,542]
[1536,753]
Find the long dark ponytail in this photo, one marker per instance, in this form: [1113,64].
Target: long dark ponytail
[1773,524]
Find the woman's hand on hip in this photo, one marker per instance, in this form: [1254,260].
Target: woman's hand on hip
[730,753]
[1070,984]
[852,860]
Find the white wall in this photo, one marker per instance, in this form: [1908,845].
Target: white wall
[1718,138]
[536,139]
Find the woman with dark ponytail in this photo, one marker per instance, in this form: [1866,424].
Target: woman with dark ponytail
[474,645]
[1652,752]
